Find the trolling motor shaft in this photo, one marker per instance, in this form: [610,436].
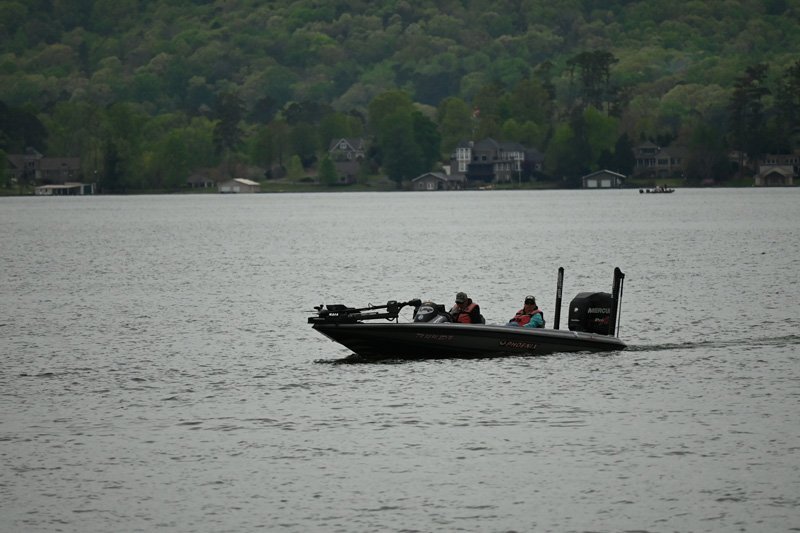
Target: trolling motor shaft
[342,314]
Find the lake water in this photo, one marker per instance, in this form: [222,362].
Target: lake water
[158,372]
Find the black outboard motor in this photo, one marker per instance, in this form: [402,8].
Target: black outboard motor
[432,313]
[591,312]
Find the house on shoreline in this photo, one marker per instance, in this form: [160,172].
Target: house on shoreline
[653,161]
[491,161]
[50,176]
[347,155]
[33,167]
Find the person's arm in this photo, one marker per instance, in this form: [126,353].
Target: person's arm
[536,321]
[475,315]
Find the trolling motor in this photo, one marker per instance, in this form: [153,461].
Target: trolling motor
[341,314]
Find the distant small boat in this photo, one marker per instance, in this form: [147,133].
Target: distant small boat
[657,190]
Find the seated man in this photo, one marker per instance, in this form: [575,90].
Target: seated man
[466,311]
[530,316]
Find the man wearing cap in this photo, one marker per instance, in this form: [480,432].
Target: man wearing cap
[466,311]
[530,316]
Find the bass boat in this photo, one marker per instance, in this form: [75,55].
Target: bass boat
[373,332]
[657,190]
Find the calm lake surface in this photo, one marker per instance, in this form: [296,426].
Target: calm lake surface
[158,372]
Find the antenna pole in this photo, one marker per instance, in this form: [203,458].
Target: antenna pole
[619,310]
[616,295]
[559,289]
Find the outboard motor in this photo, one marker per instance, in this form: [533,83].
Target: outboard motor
[591,312]
[432,313]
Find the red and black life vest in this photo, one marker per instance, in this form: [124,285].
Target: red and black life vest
[523,318]
[465,315]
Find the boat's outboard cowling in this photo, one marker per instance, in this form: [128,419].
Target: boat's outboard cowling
[591,312]
[432,313]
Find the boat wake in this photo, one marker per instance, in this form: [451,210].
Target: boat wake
[756,342]
[355,359]
[752,343]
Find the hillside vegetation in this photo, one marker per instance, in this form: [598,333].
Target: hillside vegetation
[147,92]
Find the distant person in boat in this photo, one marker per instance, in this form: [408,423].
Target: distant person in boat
[530,316]
[465,310]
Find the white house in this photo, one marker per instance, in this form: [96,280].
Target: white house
[238,185]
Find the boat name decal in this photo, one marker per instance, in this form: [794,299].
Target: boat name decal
[434,337]
[518,345]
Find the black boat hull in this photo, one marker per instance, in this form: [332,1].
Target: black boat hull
[426,341]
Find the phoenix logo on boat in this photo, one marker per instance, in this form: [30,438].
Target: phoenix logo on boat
[518,345]
[432,337]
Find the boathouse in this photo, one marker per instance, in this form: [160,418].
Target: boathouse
[603,179]
[774,176]
[438,181]
[65,189]
[239,185]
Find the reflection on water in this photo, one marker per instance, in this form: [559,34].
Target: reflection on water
[158,370]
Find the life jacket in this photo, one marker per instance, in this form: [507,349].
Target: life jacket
[464,315]
[523,318]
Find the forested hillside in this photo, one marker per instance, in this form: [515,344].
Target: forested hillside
[147,92]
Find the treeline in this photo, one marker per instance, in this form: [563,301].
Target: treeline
[145,92]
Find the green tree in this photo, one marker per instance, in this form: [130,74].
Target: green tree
[624,159]
[594,75]
[327,172]
[294,170]
[402,157]
[707,157]
[386,104]
[600,131]
[262,148]
[123,125]
[228,132]
[4,181]
[21,129]
[74,130]
[569,153]
[172,161]
[303,139]
[263,110]
[338,125]
[558,158]
[527,133]
[529,100]
[305,112]
[747,113]
[110,15]
[455,122]
[113,177]
[787,105]
[428,139]
[488,106]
